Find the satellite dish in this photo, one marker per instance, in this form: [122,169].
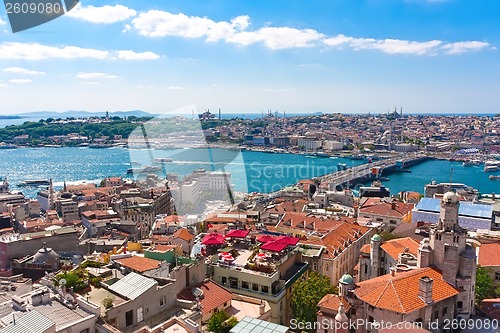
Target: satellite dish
[62,282]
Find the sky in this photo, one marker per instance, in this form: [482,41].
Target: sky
[245,56]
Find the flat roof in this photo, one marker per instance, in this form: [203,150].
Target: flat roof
[132,285]
[31,322]
[465,208]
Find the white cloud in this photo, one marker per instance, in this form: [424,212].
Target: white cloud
[156,23]
[87,76]
[105,14]
[132,55]
[19,70]
[34,51]
[390,46]
[20,81]
[90,83]
[461,47]
[175,88]
[277,38]
[2,22]
[3,85]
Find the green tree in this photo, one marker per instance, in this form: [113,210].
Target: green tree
[386,235]
[216,321]
[485,286]
[107,302]
[306,295]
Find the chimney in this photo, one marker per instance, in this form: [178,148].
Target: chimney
[262,308]
[425,289]
[393,205]
[393,271]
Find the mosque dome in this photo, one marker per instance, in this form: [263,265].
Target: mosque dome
[45,256]
[377,238]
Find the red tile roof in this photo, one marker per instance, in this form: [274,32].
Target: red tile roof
[338,239]
[214,295]
[399,293]
[332,302]
[183,234]
[299,220]
[395,247]
[139,264]
[488,254]
[382,207]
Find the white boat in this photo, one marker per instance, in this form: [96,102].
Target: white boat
[492,163]
[491,168]
[163,160]
[493,177]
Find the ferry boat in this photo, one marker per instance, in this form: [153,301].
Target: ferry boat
[491,165]
[34,182]
[163,160]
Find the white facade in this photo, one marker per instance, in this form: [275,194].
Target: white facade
[309,144]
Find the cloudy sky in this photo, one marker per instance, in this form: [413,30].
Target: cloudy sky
[251,55]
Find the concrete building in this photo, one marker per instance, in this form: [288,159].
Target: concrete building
[471,216]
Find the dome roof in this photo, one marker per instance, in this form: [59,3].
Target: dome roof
[66,195]
[45,256]
[377,238]
[346,279]
[450,197]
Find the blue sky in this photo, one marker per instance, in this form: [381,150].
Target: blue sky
[246,56]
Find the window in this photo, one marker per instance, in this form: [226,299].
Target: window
[129,318]
[497,276]
[245,285]
[445,311]
[265,289]
[379,219]
[315,266]
[140,315]
[225,304]
[366,269]
[255,287]
[460,304]
[162,301]
[436,314]
[223,280]
[392,222]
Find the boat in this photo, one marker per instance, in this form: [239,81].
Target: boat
[467,163]
[320,154]
[491,168]
[163,160]
[151,168]
[476,162]
[34,182]
[492,163]
[384,178]
[356,157]
[100,145]
[494,177]
[7,146]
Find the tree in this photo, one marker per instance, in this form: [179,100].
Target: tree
[386,235]
[107,302]
[485,286]
[306,295]
[219,322]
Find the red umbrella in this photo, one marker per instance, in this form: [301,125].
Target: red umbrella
[240,233]
[274,246]
[213,239]
[265,238]
[288,240]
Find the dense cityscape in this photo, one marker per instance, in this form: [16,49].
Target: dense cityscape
[154,251]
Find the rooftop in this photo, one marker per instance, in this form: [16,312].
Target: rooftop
[399,293]
[465,208]
[247,325]
[132,285]
[213,295]
[488,255]
[139,264]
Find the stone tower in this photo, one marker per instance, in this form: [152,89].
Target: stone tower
[375,243]
[447,249]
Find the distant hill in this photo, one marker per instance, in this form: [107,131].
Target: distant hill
[83,114]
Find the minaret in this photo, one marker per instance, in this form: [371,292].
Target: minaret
[341,319]
[376,241]
[51,194]
[219,114]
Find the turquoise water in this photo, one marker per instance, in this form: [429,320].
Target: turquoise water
[251,171]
